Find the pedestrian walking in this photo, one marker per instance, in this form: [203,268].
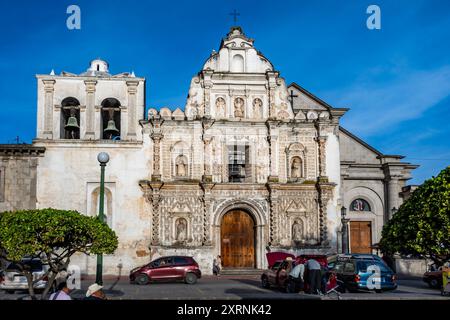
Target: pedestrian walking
[314,276]
[62,292]
[217,265]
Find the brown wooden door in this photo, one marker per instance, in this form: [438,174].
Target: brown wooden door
[238,240]
[360,236]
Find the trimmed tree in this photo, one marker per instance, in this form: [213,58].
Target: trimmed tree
[53,236]
[421,226]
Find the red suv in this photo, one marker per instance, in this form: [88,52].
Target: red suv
[167,269]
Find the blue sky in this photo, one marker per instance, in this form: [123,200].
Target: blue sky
[396,80]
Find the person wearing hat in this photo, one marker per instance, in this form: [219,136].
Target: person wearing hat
[95,292]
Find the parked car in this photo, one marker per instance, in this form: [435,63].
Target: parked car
[334,258]
[171,268]
[352,271]
[433,278]
[12,279]
[276,275]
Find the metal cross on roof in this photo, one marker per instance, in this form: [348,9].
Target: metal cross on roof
[291,98]
[235,14]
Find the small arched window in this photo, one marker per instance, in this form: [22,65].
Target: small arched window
[360,205]
[110,119]
[70,118]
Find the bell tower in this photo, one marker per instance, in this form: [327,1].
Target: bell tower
[94,105]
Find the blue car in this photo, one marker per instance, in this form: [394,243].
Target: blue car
[364,273]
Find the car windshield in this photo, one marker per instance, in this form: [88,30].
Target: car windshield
[34,265]
[276,265]
[364,264]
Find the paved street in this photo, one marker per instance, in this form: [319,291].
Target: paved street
[235,288]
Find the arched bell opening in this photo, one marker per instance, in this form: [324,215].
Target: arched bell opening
[110,119]
[70,118]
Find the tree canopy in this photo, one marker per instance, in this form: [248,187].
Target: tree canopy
[421,226]
[53,236]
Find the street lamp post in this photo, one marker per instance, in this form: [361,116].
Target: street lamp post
[103,158]
[345,244]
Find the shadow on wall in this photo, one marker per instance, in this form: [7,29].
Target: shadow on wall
[411,267]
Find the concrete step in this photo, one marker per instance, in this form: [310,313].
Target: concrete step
[241,272]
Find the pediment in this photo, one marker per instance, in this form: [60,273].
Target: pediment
[181,207]
[296,206]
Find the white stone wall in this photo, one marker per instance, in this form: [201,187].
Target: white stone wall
[69,170]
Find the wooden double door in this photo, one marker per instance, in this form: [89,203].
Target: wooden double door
[360,236]
[237,240]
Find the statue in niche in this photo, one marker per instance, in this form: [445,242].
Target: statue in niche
[257,108]
[297,231]
[296,168]
[220,106]
[181,169]
[239,108]
[181,229]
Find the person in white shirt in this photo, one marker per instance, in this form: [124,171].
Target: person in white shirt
[62,293]
[296,276]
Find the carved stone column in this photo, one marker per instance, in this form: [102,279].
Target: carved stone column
[207,166]
[273,148]
[132,91]
[49,89]
[156,136]
[325,191]
[152,192]
[322,156]
[207,74]
[207,200]
[207,170]
[90,109]
[274,239]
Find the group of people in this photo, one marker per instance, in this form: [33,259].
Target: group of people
[94,292]
[310,273]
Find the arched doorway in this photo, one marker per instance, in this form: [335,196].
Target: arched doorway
[237,234]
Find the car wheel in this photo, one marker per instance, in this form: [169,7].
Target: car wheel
[290,287]
[265,282]
[142,279]
[433,283]
[190,278]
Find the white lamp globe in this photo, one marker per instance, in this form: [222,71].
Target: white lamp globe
[103,157]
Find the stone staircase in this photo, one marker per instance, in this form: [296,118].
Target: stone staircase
[241,272]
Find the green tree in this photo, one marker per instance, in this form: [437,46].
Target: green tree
[53,236]
[421,226]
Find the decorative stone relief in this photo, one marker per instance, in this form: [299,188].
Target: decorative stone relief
[239,105]
[220,107]
[257,108]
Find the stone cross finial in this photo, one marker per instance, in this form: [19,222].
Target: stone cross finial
[235,14]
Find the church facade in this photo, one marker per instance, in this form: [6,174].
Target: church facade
[250,164]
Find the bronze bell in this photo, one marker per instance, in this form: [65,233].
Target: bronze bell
[111,128]
[72,124]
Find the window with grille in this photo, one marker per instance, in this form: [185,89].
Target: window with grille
[239,169]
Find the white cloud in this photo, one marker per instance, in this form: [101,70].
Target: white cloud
[380,105]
